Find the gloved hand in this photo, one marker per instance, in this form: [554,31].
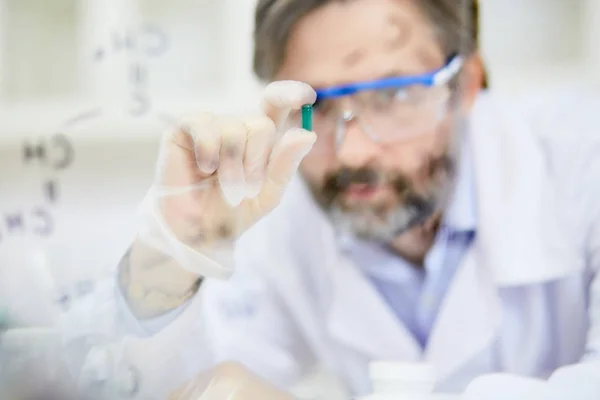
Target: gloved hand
[217,176]
[228,381]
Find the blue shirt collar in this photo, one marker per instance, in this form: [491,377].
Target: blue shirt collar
[461,213]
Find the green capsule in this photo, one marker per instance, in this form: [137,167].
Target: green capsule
[307,117]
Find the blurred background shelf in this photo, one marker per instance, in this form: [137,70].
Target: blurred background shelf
[123,53]
[179,55]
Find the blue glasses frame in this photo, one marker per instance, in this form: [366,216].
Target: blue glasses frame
[435,78]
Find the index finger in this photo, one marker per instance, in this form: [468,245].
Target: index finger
[283,96]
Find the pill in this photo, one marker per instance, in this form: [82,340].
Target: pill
[307,117]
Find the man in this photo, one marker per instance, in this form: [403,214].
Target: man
[428,223]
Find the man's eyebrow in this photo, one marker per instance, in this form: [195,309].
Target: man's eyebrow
[396,73]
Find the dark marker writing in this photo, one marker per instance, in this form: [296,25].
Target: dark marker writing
[14,222]
[121,42]
[33,151]
[63,143]
[45,224]
[83,116]
[51,191]
[160,43]
[57,152]
[154,42]
[63,152]
[138,74]
[38,221]
[142,105]
[99,55]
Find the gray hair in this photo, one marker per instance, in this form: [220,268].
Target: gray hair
[456,22]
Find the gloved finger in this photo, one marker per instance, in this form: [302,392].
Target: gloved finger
[175,156]
[283,96]
[203,130]
[193,389]
[233,381]
[231,160]
[260,139]
[283,163]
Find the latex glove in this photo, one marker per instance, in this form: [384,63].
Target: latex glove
[217,176]
[229,381]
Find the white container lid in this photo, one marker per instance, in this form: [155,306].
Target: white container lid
[401,371]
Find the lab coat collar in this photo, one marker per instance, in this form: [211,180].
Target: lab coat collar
[359,318]
[520,235]
[356,316]
[461,212]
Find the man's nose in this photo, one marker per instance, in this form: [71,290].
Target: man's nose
[355,148]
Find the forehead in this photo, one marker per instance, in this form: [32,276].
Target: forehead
[349,41]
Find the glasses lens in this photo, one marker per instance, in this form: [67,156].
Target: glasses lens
[395,113]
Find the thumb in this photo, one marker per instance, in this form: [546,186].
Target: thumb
[281,97]
[283,163]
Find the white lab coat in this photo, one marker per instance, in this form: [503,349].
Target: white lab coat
[526,299]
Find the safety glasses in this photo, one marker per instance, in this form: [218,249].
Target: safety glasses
[387,109]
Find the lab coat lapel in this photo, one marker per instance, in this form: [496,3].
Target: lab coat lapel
[468,320]
[360,318]
[522,237]
[519,238]
[356,316]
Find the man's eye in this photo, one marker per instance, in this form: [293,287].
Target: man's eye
[384,97]
[323,106]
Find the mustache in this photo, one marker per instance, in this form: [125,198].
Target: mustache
[335,184]
[346,177]
[338,182]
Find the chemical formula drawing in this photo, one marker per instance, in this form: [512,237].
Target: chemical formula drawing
[146,43]
[56,153]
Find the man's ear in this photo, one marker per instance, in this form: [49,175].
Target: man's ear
[473,80]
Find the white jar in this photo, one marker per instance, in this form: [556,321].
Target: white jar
[406,381]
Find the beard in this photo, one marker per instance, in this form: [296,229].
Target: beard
[383,220]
